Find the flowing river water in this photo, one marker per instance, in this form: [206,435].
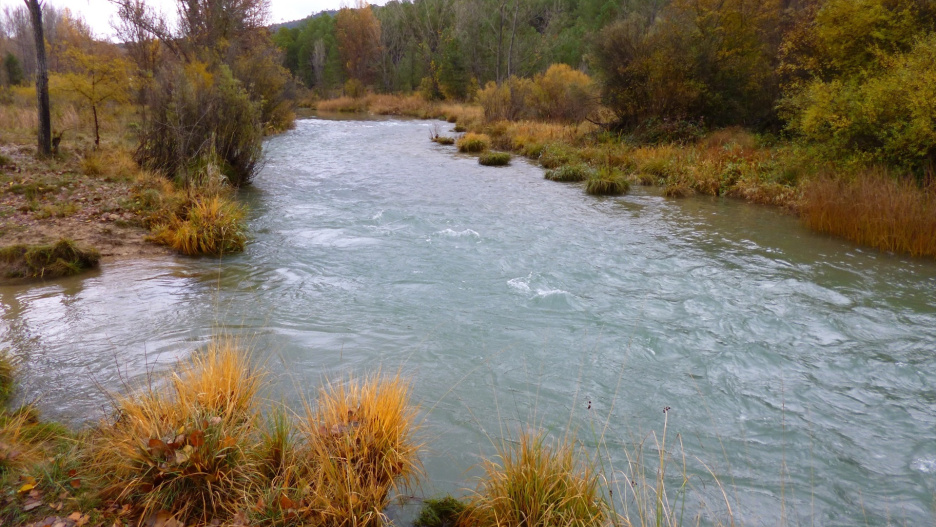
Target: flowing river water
[799,369]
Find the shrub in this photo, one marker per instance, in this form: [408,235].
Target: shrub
[607,182]
[494,159]
[885,116]
[570,173]
[63,258]
[508,100]
[564,94]
[536,484]
[199,113]
[473,143]
[207,225]
[361,447]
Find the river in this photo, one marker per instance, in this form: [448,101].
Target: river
[798,368]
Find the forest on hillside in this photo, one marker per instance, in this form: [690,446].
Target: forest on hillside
[854,76]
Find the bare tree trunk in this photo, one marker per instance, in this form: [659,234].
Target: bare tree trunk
[513,36]
[42,79]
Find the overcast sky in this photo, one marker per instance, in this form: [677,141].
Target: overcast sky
[98,13]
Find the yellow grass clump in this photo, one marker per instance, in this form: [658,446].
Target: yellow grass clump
[183,450]
[206,225]
[874,209]
[536,484]
[473,143]
[360,444]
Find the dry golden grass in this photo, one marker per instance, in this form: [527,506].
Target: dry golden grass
[412,105]
[874,209]
[473,143]
[360,445]
[342,104]
[184,449]
[535,484]
[206,225]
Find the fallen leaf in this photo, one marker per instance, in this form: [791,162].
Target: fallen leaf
[27,487]
[182,455]
[286,503]
[158,447]
[75,516]
[196,438]
[75,483]
[31,504]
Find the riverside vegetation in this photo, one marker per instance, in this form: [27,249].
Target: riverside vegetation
[155,135]
[202,445]
[817,106]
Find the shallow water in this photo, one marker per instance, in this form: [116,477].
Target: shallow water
[799,368]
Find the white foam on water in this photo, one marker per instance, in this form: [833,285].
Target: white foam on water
[926,465]
[520,284]
[459,234]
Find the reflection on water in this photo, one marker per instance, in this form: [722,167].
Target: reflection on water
[799,368]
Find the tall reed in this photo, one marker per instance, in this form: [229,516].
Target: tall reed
[874,209]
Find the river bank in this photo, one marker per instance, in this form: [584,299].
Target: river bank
[864,204]
[42,201]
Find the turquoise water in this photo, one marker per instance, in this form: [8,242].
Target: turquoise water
[798,368]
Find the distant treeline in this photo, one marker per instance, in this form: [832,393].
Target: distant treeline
[855,77]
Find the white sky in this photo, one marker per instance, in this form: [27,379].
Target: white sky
[98,13]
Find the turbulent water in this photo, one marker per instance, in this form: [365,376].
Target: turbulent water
[799,369]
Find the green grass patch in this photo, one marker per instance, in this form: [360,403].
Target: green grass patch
[63,258]
[556,155]
[570,173]
[607,182]
[443,512]
[494,159]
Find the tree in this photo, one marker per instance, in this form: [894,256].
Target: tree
[42,79]
[97,79]
[13,70]
[358,33]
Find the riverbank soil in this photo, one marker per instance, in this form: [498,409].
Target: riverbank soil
[87,198]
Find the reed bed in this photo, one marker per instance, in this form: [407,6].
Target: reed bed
[874,209]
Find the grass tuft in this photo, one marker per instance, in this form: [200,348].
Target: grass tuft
[607,182]
[207,225]
[360,441]
[494,159]
[473,143]
[183,450]
[444,140]
[538,484]
[570,173]
[63,258]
